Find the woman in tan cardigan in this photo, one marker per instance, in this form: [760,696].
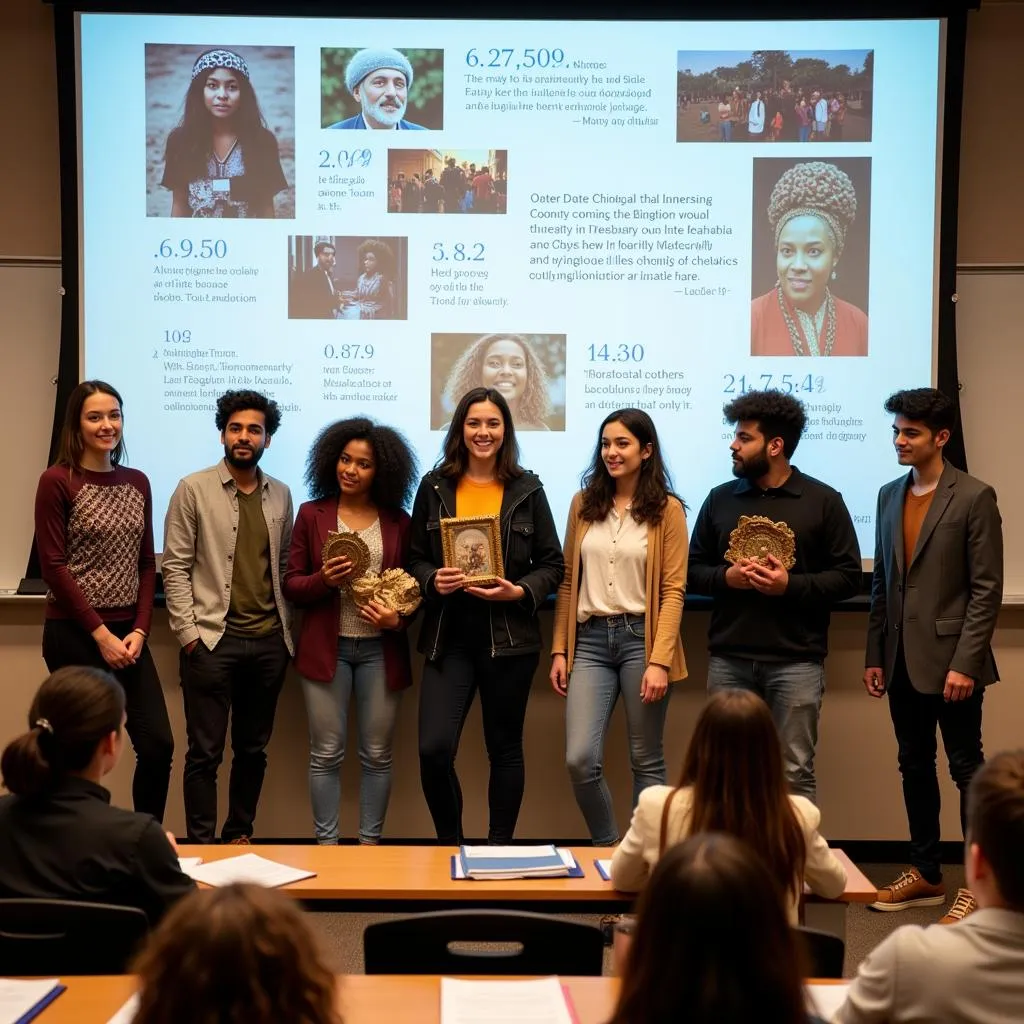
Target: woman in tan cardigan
[618,612]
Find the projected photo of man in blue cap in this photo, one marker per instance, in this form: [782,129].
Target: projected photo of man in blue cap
[380,81]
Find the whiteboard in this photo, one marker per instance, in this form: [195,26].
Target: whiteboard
[990,354]
[30,345]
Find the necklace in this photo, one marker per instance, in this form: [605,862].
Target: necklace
[795,334]
[223,160]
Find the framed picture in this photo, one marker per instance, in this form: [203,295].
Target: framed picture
[473,544]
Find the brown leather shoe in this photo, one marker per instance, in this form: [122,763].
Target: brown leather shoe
[240,841]
[909,890]
[963,905]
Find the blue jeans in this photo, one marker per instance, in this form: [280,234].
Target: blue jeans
[725,131]
[360,668]
[805,133]
[793,691]
[610,660]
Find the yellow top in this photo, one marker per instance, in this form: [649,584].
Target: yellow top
[478,499]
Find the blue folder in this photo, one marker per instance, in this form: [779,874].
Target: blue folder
[574,872]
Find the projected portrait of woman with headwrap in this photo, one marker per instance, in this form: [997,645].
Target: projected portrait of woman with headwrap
[210,147]
[815,226]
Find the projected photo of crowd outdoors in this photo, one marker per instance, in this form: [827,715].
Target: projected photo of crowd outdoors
[220,130]
[527,369]
[811,229]
[380,87]
[447,180]
[344,277]
[774,95]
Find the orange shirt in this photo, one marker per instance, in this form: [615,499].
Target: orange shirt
[915,508]
[478,499]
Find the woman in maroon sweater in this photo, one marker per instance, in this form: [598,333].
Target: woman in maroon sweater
[94,534]
[359,474]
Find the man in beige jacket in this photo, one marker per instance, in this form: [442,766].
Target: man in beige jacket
[972,971]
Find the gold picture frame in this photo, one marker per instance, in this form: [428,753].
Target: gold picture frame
[473,544]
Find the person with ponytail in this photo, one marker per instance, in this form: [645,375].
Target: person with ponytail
[733,782]
[94,534]
[60,838]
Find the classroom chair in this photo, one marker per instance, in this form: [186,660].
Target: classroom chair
[424,944]
[54,937]
[825,952]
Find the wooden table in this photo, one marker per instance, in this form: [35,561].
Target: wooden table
[408,878]
[363,999]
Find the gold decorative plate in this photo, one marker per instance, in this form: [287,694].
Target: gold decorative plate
[350,546]
[757,536]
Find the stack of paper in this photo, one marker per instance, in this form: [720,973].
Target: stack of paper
[542,1001]
[515,862]
[248,867]
[21,1001]
[825,1000]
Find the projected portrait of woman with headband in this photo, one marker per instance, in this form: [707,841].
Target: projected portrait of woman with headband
[221,160]
[811,212]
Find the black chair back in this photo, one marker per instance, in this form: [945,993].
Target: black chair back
[423,944]
[825,952]
[54,937]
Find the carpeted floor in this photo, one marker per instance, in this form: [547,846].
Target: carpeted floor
[342,933]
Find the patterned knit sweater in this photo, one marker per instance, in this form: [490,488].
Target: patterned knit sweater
[94,534]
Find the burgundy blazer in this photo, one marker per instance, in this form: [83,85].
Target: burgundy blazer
[316,655]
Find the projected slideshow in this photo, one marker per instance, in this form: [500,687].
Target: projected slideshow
[368,216]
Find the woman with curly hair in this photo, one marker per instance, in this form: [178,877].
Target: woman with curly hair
[360,475]
[618,612]
[240,952]
[810,211]
[507,363]
[221,160]
[374,295]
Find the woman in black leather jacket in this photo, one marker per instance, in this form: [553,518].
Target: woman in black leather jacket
[482,638]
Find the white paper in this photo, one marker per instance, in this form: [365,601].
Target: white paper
[18,997]
[826,999]
[541,1001]
[247,867]
[567,859]
[606,867]
[519,852]
[189,862]
[127,1012]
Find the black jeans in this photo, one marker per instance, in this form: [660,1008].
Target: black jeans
[915,716]
[65,642]
[446,694]
[243,676]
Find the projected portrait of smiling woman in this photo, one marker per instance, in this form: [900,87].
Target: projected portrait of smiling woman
[810,258]
[527,369]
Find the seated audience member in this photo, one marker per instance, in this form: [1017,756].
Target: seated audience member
[733,781]
[59,836]
[241,953]
[971,972]
[712,944]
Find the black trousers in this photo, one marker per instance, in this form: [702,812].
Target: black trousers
[446,694]
[915,717]
[242,676]
[65,642]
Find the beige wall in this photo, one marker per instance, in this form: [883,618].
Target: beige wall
[859,783]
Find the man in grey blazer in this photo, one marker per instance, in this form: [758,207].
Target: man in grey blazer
[972,973]
[935,595]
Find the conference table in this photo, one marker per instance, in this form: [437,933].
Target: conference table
[403,879]
[362,999]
